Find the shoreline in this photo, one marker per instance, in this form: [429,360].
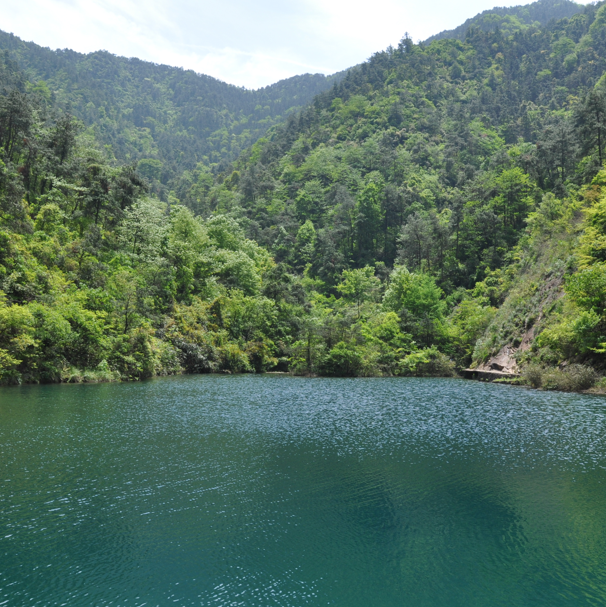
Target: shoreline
[502,379]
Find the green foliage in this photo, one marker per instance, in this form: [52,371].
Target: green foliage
[593,241]
[587,288]
[573,334]
[359,285]
[305,243]
[516,18]
[428,362]
[467,323]
[431,210]
[571,378]
[102,374]
[343,360]
[416,294]
[422,157]
[166,119]
[418,302]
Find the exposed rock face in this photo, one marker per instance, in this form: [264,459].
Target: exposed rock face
[524,301]
[503,362]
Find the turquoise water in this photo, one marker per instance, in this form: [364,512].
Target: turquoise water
[262,491]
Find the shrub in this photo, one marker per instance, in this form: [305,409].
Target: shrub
[140,355]
[577,332]
[468,323]
[600,386]
[8,368]
[343,360]
[533,376]
[573,378]
[377,360]
[427,363]
[233,359]
[260,355]
[53,334]
[417,299]
[101,374]
[195,357]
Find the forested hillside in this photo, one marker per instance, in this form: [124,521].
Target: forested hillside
[440,206]
[510,19]
[167,119]
[432,157]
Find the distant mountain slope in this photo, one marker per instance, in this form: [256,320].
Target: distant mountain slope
[171,116]
[512,18]
[425,129]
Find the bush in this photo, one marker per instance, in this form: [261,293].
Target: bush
[573,378]
[427,363]
[195,357]
[8,368]
[141,355]
[533,376]
[260,355]
[101,374]
[343,360]
[233,359]
[600,386]
[575,333]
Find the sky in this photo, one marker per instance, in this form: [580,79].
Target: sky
[250,44]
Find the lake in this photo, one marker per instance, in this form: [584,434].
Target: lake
[269,490]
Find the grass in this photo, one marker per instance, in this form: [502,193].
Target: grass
[102,374]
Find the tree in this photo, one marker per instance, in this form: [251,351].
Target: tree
[343,360]
[392,220]
[587,289]
[344,221]
[124,291]
[144,230]
[359,285]
[15,123]
[329,261]
[305,243]
[63,137]
[369,216]
[418,302]
[557,151]
[591,123]
[311,201]
[414,241]
[513,199]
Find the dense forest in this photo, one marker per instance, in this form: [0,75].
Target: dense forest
[165,118]
[439,206]
[514,18]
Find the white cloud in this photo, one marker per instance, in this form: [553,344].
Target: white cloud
[254,69]
[245,43]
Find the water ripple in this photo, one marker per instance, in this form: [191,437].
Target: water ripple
[264,491]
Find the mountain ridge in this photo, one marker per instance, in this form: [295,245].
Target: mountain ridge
[146,110]
[539,12]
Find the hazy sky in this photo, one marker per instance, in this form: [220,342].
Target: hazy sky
[250,44]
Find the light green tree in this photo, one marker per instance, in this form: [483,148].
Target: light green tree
[359,286]
[305,243]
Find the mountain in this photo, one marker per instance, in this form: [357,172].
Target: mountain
[433,157]
[171,117]
[510,19]
[441,205]
[424,129]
